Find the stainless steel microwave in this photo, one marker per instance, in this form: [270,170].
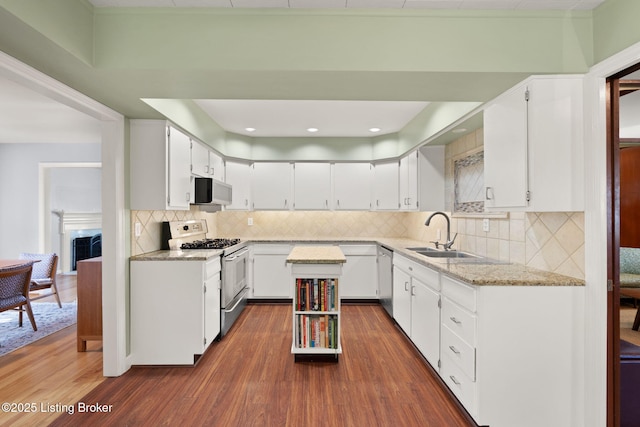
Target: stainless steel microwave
[209,191]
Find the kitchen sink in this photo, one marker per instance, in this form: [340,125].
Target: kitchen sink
[435,253]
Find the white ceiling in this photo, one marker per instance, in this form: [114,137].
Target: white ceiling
[340,4]
[29,117]
[280,118]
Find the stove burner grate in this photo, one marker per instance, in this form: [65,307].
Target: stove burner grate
[210,244]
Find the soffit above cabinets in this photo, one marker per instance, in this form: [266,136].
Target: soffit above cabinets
[291,118]
[362,4]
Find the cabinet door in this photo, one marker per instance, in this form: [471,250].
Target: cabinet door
[402,299]
[359,277]
[505,151]
[312,186]
[239,176]
[555,144]
[352,186]
[409,182]
[179,169]
[271,186]
[386,184]
[425,321]
[216,167]
[199,159]
[431,181]
[271,276]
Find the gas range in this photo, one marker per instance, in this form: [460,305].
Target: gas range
[192,234]
[189,235]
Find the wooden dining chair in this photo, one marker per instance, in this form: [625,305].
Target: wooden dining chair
[14,290]
[44,275]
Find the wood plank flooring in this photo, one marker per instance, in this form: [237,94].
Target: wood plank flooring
[250,379]
[50,370]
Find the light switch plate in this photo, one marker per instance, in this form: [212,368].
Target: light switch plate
[485,225]
[249,221]
[138,229]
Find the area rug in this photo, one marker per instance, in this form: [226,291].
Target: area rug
[49,319]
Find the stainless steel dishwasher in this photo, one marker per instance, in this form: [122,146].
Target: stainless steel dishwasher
[385,278]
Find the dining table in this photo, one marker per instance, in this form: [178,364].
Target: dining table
[7,263]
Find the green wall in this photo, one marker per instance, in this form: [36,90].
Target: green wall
[615,27]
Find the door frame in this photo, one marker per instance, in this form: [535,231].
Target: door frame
[600,250]
[115,215]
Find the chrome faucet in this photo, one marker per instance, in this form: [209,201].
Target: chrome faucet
[447,245]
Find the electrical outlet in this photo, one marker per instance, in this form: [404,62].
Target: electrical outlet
[485,225]
[250,221]
[138,229]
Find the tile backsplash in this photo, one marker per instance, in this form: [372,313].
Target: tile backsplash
[550,241]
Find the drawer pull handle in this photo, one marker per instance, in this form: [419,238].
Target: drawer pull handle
[455,350]
[406,286]
[456,321]
[455,381]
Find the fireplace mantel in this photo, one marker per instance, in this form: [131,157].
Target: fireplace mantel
[70,222]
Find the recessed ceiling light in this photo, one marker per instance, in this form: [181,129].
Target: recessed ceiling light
[375,130]
[250,129]
[312,130]
[459,130]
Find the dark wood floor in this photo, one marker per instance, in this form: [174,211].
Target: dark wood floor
[250,379]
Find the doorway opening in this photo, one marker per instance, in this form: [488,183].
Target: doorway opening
[623,267]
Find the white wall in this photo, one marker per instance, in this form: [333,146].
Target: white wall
[19,192]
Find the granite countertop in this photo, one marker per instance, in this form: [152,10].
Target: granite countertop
[178,255]
[472,272]
[316,255]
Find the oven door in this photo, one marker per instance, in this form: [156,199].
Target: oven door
[235,275]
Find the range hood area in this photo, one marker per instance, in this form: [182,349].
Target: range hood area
[211,194]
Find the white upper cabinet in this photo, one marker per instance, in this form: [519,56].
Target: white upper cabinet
[352,186]
[271,186]
[179,164]
[199,159]
[312,186]
[160,166]
[409,182]
[386,186]
[206,163]
[239,177]
[532,146]
[216,167]
[431,179]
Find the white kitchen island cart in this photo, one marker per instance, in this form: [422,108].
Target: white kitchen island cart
[316,272]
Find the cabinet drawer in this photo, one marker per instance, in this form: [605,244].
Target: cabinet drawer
[424,274]
[459,320]
[459,292]
[461,385]
[459,351]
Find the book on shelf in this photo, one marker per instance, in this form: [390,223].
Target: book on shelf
[316,331]
[316,294]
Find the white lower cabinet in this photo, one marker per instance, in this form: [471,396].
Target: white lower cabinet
[360,273]
[511,354]
[175,310]
[271,276]
[416,300]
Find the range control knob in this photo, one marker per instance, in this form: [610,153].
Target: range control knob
[185,227]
